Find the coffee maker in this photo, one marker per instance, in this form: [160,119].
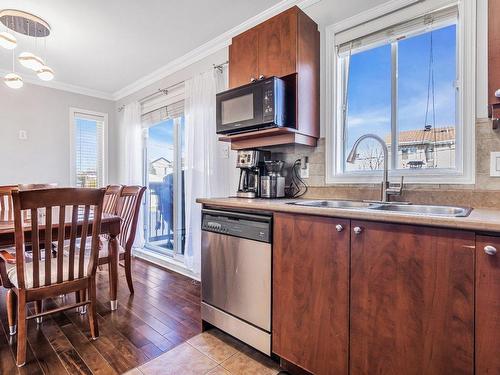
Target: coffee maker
[251,165]
[273,183]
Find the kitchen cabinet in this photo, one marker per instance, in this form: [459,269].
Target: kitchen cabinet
[411,300]
[244,58]
[310,292]
[494,56]
[286,46]
[487,305]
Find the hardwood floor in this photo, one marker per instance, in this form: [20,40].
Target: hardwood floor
[163,312]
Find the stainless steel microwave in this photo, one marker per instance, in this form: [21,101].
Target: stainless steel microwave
[262,104]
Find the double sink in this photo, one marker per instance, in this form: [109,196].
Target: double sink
[409,209]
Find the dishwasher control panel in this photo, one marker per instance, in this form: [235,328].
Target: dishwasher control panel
[243,225]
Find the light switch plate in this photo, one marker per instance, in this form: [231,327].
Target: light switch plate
[495,164]
[23,135]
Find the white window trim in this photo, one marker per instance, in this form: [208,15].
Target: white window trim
[72,146]
[377,18]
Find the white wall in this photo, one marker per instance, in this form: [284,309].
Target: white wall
[44,113]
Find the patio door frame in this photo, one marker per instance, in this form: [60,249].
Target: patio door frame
[176,253]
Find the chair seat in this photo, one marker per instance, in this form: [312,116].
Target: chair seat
[28,272]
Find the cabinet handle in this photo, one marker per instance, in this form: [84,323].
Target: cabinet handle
[490,250]
[261,77]
[339,228]
[357,230]
[252,80]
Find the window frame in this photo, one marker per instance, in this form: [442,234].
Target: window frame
[73,111]
[377,19]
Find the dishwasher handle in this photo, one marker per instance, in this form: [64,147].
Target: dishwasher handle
[237,215]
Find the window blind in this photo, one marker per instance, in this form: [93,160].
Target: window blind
[167,112]
[89,150]
[350,41]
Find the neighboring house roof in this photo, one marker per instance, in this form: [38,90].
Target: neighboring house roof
[420,136]
[161,161]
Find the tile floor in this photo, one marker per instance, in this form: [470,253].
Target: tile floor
[212,353]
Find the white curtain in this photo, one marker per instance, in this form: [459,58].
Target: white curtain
[130,167]
[206,171]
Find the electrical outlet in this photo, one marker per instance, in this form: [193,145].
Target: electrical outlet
[225,151]
[23,135]
[304,167]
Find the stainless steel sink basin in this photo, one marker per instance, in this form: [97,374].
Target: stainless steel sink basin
[335,204]
[410,209]
[429,210]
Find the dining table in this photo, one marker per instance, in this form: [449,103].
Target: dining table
[110,226]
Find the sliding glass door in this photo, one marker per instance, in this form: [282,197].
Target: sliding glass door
[164,178]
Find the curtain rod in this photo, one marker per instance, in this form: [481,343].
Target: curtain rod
[220,66]
[163,91]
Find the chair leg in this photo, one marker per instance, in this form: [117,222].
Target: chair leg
[94,327]
[21,330]
[38,310]
[11,311]
[83,297]
[128,272]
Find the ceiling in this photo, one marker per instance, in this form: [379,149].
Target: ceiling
[107,45]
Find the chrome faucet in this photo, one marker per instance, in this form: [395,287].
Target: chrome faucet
[386,190]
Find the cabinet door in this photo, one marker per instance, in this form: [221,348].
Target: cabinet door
[487,305]
[278,45]
[310,292]
[412,300]
[243,58]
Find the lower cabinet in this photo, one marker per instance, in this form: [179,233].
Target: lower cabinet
[310,292]
[412,300]
[356,297]
[487,305]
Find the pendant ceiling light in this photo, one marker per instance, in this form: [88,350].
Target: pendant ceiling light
[31,61]
[13,80]
[45,73]
[33,27]
[7,40]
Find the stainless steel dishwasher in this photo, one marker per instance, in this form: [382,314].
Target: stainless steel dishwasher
[236,275]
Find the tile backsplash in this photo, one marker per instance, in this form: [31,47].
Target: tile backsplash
[484,193]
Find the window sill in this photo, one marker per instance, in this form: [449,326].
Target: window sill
[424,178]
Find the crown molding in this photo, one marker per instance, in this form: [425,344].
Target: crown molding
[34,80]
[210,47]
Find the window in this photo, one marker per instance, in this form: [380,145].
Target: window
[164,167]
[402,77]
[88,148]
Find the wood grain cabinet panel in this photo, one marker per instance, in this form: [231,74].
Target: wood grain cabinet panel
[310,292]
[487,306]
[244,58]
[412,300]
[278,45]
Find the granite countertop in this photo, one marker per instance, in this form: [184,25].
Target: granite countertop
[486,220]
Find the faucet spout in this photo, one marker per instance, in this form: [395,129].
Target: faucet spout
[353,155]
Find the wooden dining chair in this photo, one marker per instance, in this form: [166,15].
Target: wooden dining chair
[6,204]
[67,211]
[128,209]
[111,198]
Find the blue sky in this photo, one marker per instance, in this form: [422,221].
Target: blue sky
[370,85]
[161,140]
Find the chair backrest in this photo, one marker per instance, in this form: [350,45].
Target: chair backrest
[111,198]
[23,187]
[128,209]
[67,211]
[6,205]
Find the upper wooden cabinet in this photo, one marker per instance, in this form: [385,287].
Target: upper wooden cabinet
[311,292]
[285,46]
[412,300]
